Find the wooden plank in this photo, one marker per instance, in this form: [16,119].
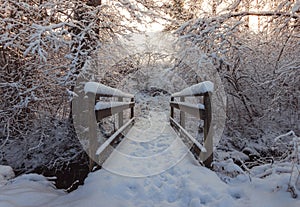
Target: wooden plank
[172,108]
[116,135]
[92,132]
[196,94]
[182,115]
[132,109]
[97,96]
[84,119]
[100,114]
[208,132]
[194,146]
[184,138]
[190,109]
[120,115]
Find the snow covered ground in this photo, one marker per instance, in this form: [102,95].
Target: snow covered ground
[136,175]
[185,184]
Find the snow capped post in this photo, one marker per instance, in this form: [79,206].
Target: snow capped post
[89,108]
[102,109]
[84,119]
[201,111]
[207,122]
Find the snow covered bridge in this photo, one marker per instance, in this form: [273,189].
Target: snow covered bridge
[141,147]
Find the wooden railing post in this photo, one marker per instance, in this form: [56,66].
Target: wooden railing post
[182,115]
[172,109]
[88,109]
[132,109]
[120,115]
[208,140]
[92,129]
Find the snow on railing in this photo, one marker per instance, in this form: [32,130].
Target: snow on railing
[100,109]
[197,89]
[98,88]
[201,111]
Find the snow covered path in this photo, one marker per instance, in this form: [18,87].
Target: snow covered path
[150,147]
[179,186]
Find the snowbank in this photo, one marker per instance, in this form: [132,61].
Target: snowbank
[184,185]
[29,190]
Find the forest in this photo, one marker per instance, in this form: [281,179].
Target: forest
[252,45]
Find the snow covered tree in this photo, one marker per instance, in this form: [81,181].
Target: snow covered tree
[43,46]
[255,49]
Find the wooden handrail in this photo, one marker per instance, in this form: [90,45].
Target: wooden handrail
[199,89]
[113,109]
[113,137]
[191,109]
[102,109]
[201,111]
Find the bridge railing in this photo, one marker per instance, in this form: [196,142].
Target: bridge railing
[202,111]
[102,109]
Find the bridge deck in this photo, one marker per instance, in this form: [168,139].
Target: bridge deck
[149,148]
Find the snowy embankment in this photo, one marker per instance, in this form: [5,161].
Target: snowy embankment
[185,184]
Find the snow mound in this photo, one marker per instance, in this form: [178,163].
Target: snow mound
[33,178]
[29,190]
[6,173]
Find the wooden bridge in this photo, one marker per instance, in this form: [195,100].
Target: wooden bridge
[129,143]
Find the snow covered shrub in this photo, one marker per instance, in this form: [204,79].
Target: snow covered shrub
[294,161]
[33,67]
[284,165]
[6,173]
[43,46]
[259,68]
